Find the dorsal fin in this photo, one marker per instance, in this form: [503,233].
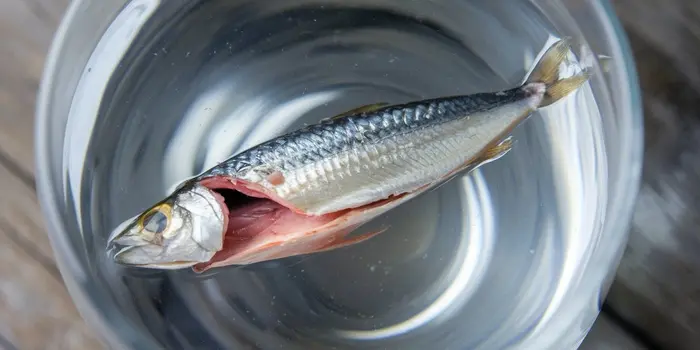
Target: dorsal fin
[361,109]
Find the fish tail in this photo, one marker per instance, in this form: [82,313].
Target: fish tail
[548,70]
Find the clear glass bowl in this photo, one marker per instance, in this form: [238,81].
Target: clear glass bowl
[138,95]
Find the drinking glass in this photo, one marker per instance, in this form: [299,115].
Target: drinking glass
[139,95]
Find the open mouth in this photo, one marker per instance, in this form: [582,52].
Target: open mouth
[260,227]
[255,222]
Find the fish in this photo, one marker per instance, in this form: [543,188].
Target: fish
[306,191]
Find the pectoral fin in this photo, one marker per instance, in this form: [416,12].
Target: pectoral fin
[359,110]
[345,241]
[496,152]
[489,155]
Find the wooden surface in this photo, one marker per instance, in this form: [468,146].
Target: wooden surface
[36,311]
[656,294]
[608,335]
[657,288]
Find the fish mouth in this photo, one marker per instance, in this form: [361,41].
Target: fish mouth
[121,237]
[147,256]
[124,254]
[121,244]
[142,256]
[126,248]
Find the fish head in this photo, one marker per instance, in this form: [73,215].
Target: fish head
[182,230]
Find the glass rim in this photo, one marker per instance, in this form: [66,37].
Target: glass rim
[86,298]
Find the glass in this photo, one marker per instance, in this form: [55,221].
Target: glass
[138,95]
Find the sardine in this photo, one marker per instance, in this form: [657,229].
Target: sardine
[306,191]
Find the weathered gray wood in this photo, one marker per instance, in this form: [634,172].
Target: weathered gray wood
[657,287]
[606,335]
[26,30]
[36,311]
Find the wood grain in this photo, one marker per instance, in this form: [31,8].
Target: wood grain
[36,311]
[26,31]
[606,335]
[657,287]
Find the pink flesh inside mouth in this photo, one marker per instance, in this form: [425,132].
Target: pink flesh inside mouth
[251,217]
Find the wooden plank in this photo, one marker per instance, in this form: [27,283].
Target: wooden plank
[657,288]
[36,311]
[26,31]
[606,335]
[19,209]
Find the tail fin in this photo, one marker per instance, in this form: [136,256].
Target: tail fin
[547,71]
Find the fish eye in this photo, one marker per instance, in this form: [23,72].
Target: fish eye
[157,219]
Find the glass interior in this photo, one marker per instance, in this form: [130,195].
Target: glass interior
[139,95]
